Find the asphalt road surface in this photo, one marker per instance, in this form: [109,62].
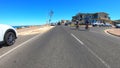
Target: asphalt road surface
[65,47]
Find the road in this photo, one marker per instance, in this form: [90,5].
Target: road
[65,47]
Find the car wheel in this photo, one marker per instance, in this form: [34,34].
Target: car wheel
[9,38]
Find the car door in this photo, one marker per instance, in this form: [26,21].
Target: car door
[1,35]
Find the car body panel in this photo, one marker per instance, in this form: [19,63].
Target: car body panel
[3,30]
[97,24]
[1,35]
[107,25]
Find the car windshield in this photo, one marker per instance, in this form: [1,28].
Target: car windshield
[60,34]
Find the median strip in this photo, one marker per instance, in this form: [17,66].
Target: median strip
[115,32]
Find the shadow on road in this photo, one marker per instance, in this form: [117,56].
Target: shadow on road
[3,45]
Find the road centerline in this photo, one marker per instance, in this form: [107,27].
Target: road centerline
[91,51]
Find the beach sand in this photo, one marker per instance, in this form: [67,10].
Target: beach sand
[34,30]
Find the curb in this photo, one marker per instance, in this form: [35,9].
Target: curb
[106,31]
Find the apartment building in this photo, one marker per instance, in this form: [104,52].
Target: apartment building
[100,17]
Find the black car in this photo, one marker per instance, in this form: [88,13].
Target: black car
[66,24]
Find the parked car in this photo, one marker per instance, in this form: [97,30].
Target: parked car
[107,25]
[66,24]
[58,23]
[97,24]
[117,25]
[8,34]
[52,24]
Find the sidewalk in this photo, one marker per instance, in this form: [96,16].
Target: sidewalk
[113,31]
[33,30]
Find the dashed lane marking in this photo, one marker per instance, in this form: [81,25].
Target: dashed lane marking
[100,59]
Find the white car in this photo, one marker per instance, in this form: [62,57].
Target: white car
[117,25]
[97,24]
[107,25]
[8,34]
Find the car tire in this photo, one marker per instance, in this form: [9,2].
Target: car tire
[9,38]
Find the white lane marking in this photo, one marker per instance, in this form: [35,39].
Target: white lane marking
[18,46]
[77,39]
[91,51]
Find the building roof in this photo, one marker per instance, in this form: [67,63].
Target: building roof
[91,13]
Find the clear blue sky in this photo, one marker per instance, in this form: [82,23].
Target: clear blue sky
[35,12]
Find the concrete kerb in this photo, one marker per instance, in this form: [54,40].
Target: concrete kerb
[107,32]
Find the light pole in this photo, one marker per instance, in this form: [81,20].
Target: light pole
[50,14]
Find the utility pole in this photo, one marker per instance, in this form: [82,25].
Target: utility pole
[50,16]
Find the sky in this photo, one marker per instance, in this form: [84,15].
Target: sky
[36,12]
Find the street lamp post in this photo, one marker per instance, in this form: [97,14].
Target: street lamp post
[50,14]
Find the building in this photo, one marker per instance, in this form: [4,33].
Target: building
[100,17]
[64,21]
[116,22]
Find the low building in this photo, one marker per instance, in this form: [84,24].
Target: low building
[64,21]
[100,17]
[116,22]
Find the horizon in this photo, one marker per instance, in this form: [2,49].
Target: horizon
[35,12]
